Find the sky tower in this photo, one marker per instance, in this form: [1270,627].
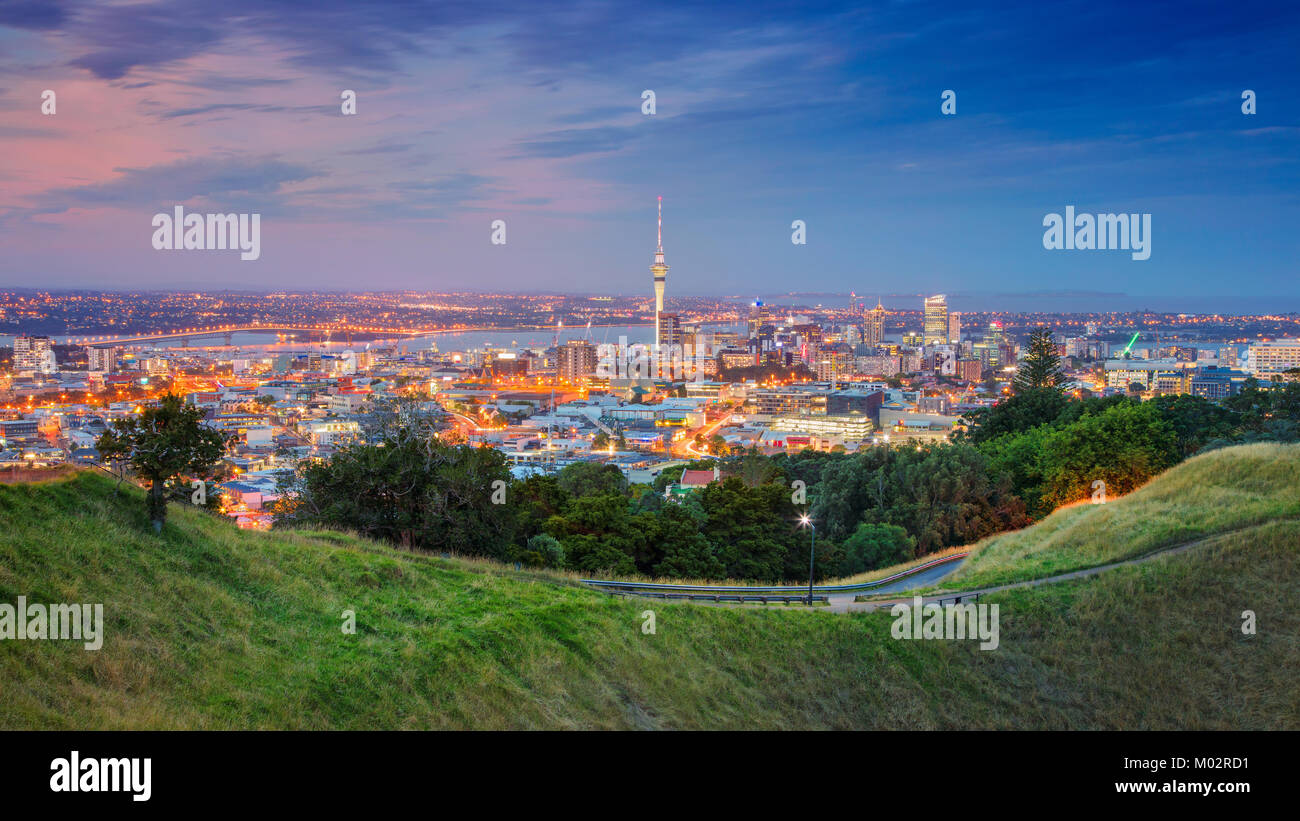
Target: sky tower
[660,271]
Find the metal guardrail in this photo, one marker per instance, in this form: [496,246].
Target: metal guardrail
[720,597]
[648,588]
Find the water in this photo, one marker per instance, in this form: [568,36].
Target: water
[509,338]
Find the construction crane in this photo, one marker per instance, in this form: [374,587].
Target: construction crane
[1125,352]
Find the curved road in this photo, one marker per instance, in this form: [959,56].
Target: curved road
[846,604]
[919,576]
[840,598]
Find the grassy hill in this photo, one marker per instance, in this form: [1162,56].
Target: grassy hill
[211,627]
[1217,492]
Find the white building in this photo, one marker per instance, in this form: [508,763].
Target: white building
[327,432]
[33,355]
[1269,359]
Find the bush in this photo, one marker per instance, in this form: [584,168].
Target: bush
[873,546]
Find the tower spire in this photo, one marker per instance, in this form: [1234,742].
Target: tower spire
[659,252]
[659,271]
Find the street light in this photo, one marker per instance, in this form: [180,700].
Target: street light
[812,551]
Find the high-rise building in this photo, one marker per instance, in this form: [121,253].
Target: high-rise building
[936,320]
[101,360]
[874,332]
[954,327]
[668,330]
[34,354]
[759,315]
[991,350]
[660,271]
[576,360]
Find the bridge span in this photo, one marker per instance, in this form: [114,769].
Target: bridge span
[227,331]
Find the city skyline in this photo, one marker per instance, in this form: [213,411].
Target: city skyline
[553,141]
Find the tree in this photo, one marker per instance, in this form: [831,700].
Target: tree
[718,445]
[591,479]
[542,550]
[1020,412]
[1124,446]
[687,554]
[600,441]
[409,489]
[166,441]
[1195,420]
[1041,367]
[873,546]
[601,535]
[753,531]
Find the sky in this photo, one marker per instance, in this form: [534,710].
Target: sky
[765,113]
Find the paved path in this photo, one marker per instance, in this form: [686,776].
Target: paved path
[846,603]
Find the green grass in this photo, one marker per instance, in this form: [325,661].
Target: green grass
[209,627]
[1218,492]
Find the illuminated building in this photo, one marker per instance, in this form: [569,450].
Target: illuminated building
[874,332]
[668,330]
[1267,359]
[34,354]
[576,360]
[759,315]
[936,320]
[660,271]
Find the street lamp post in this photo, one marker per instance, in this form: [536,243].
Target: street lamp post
[812,553]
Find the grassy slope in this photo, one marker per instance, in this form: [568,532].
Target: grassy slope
[1214,493]
[209,627]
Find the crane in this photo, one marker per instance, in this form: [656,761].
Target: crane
[1124,353]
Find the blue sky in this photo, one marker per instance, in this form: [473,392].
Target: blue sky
[766,113]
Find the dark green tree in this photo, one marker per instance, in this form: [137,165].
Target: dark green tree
[1015,414]
[591,479]
[753,530]
[165,441]
[1041,367]
[601,535]
[1124,446]
[687,554]
[873,546]
[410,489]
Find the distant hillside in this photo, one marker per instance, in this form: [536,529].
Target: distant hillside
[211,627]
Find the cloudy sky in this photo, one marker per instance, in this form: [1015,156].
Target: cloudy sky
[766,113]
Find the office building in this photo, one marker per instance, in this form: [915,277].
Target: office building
[874,330]
[851,427]
[668,331]
[759,315]
[1265,360]
[936,320]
